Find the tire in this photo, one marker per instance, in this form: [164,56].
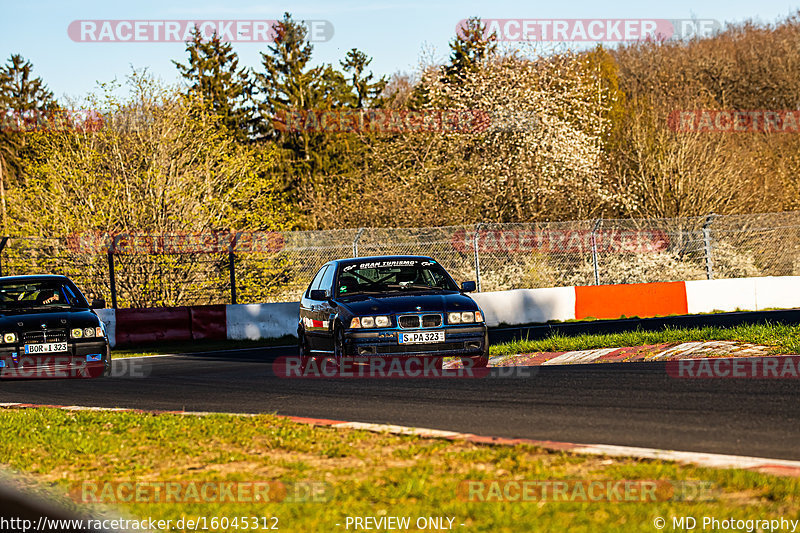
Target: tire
[305,355]
[338,347]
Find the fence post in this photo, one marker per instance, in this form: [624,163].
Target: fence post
[232,265]
[3,242]
[477,257]
[112,278]
[232,268]
[594,251]
[707,245]
[355,241]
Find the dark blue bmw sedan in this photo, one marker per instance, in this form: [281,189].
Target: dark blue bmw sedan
[390,306]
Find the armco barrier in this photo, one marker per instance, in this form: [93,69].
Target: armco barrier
[512,308]
[722,295]
[261,321]
[170,324]
[527,306]
[641,299]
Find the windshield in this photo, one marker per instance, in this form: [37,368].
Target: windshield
[39,295]
[393,276]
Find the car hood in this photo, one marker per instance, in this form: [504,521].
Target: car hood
[408,303]
[33,320]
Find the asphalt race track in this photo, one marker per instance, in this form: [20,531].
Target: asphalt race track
[633,404]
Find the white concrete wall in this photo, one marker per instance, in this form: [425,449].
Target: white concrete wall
[525,306]
[746,294]
[782,292]
[262,321]
[706,296]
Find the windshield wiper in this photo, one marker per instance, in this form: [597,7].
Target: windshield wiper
[414,286]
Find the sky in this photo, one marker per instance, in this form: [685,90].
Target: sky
[397,34]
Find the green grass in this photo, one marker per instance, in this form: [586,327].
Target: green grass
[175,347]
[365,474]
[783,339]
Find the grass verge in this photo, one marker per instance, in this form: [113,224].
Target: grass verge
[784,339]
[365,474]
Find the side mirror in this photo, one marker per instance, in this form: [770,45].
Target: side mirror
[468,286]
[98,304]
[318,295]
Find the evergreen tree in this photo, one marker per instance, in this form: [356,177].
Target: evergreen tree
[287,80]
[470,48]
[20,92]
[366,92]
[215,79]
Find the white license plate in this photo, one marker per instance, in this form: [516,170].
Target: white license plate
[421,337]
[46,348]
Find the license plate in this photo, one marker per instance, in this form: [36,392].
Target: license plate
[421,337]
[46,348]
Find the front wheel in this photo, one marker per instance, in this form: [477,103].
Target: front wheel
[338,347]
[305,353]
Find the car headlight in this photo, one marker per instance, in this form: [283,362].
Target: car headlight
[381,321]
[465,317]
[9,338]
[98,332]
[76,333]
[88,333]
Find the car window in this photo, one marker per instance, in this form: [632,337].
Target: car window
[392,276]
[327,280]
[317,280]
[38,294]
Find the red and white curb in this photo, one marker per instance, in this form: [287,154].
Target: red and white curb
[762,465]
[630,354]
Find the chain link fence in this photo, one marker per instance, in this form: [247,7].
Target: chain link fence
[145,270]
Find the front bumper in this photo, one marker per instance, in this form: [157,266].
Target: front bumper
[82,360]
[459,341]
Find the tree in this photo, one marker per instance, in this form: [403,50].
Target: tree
[158,166]
[287,80]
[19,92]
[287,83]
[216,82]
[470,47]
[367,93]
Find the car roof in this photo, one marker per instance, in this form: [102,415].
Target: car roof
[372,258]
[35,277]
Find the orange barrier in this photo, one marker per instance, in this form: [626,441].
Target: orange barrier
[640,299]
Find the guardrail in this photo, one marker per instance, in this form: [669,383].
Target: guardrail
[509,308]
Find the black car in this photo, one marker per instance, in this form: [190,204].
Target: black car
[48,329]
[390,306]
